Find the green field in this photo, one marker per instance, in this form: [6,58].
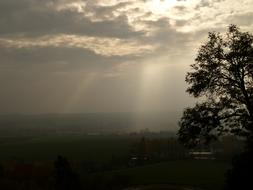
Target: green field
[73,147]
[101,149]
[204,174]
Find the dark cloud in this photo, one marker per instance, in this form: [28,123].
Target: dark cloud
[105,12]
[54,59]
[180,8]
[243,19]
[169,39]
[35,17]
[203,3]
[62,73]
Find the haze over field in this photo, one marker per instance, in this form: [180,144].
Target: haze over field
[60,56]
[126,94]
[89,124]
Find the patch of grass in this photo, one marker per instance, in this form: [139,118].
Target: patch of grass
[205,174]
[196,173]
[98,149]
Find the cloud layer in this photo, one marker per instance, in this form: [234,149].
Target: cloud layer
[72,50]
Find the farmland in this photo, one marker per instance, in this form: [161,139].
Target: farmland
[101,154]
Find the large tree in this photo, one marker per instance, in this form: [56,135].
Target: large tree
[222,78]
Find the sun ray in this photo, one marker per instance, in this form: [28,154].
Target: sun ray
[79,94]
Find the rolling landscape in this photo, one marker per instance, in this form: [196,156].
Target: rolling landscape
[109,148]
[126,94]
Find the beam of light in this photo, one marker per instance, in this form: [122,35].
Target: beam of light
[150,86]
[78,95]
[148,99]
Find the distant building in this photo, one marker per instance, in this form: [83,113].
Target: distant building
[202,155]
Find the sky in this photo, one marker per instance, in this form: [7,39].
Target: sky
[78,56]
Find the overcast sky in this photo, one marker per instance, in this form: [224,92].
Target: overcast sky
[65,56]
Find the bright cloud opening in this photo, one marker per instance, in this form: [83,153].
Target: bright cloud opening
[161,6]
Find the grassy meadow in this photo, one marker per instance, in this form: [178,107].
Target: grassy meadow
[99,150]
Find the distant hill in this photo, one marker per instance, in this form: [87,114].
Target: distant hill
[87,123]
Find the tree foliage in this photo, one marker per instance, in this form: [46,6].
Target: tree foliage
[65,178]
[222,77]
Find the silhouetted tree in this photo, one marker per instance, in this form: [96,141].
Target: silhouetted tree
[65,177]
[222,76]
